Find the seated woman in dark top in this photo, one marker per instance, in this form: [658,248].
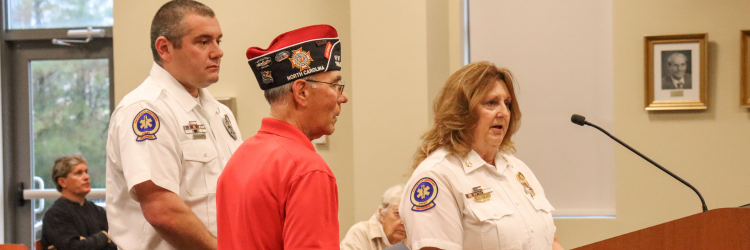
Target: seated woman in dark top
[73,222]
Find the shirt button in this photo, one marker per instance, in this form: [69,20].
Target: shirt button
[532,229]
[494,214]
[517,204]
[205,154]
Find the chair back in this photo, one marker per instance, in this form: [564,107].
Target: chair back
[38,245]
[13,247]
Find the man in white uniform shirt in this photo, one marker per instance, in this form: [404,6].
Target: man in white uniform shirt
[169,139]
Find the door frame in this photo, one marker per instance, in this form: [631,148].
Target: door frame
[17,49]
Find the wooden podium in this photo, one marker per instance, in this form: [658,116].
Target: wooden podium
[724,228]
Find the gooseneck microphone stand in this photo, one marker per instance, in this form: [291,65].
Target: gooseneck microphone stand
[580,120]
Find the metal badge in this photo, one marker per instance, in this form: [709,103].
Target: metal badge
[527,188]
[198,131]
[281,56]
[301,59]
[480,195]
[228,126]
[263,63]
[267,77]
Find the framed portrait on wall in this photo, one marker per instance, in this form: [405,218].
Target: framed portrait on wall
[676,72]
[745,69]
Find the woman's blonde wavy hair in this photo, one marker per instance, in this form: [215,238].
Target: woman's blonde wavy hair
[456,111]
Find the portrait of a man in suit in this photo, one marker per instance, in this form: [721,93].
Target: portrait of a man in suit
[676,75]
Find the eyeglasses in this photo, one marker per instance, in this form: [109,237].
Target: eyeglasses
[340,86]
[395,213]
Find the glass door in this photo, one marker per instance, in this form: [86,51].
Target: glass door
[61,106]
[70,108]
[56,101]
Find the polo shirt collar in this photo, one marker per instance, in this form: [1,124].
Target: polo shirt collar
[473,161]
[376,229]
[174,88]
[286,130]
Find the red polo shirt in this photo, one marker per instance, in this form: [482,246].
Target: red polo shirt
[276,192]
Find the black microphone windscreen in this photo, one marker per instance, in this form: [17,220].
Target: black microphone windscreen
[578,119]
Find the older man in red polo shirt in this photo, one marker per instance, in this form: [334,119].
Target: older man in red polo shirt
[276,192]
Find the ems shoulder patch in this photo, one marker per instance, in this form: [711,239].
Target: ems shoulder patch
[145,125]
[423,195]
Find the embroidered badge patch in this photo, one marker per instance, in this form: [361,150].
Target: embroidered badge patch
[145,125]
[423,195]
[228,126]
[301,59]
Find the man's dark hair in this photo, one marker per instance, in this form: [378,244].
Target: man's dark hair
[63,166]
[168,22]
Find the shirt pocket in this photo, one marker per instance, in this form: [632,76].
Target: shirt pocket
[544,210]
[494,217]
[201,167]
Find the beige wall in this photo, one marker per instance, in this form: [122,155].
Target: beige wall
[246,24]
[396,53]
[706,148]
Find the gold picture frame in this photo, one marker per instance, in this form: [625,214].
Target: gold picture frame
[676,76]
[745,69]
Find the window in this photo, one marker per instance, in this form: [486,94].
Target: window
[45,14]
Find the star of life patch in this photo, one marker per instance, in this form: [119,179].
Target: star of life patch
[423,194]
[145,125]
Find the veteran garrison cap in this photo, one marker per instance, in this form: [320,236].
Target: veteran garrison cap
[296,54]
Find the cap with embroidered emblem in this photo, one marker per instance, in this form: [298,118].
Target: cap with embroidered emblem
[296,54]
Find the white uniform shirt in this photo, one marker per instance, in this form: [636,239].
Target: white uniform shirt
[437,213]
[159,132]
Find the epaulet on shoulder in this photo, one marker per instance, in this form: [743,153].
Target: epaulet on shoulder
[508,156]
[151,92]
[144,92]
[434,158]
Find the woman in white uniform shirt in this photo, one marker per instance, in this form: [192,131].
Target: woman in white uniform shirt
[468,191]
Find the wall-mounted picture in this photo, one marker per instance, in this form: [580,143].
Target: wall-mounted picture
[675,70]
[745,70]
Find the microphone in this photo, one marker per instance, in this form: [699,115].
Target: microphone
[580,120]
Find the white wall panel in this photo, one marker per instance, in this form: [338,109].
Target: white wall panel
[561,55]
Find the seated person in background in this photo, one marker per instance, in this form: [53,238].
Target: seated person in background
[73,222]
[384,228]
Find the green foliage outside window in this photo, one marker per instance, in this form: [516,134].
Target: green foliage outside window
[36,14]
[70,113]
